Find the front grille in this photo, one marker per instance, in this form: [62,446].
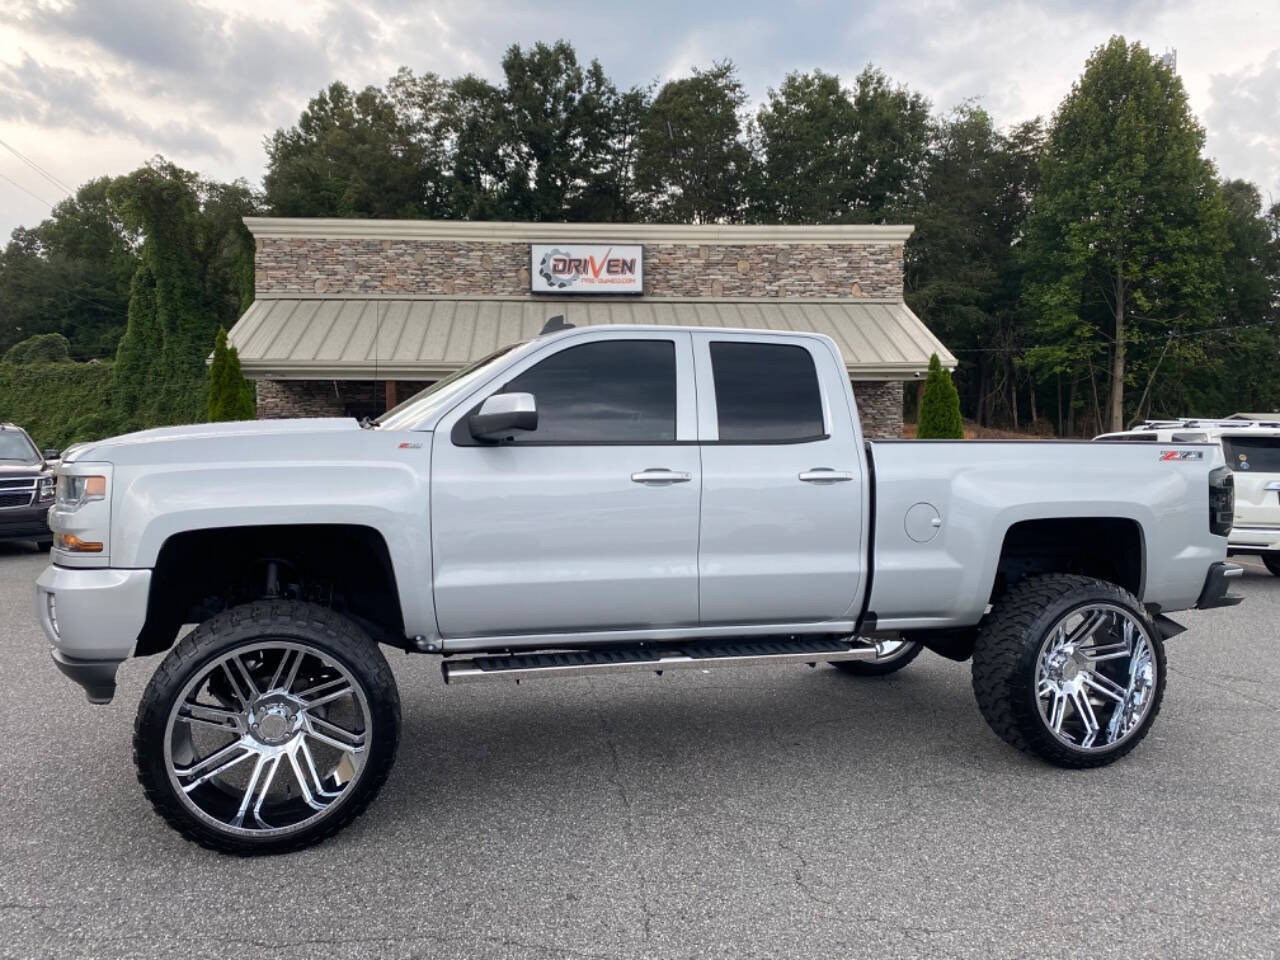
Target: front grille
[15,499]
[17,483]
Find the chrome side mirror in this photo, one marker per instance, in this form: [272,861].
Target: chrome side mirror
[502,414]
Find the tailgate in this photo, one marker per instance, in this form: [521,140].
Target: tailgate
[1256,462]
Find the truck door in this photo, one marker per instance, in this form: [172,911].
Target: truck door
[589,522]
[782,484]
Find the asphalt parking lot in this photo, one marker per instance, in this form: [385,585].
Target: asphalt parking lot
[782,812]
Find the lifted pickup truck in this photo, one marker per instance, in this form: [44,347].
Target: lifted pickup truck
[595,500]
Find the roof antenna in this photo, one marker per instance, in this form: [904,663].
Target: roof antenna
[555,325]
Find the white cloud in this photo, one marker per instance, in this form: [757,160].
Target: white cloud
[1243,123]
[92,87]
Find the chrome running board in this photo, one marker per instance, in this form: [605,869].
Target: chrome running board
[746,653]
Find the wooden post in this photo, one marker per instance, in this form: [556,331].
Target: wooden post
[391,394]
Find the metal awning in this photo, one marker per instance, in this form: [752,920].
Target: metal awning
[360,337]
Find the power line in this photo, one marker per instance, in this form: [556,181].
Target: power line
[37,168]
[1188,334]
[25,190]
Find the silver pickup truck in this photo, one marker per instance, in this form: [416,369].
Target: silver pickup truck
[599,500]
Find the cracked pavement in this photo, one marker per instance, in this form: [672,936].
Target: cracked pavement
[782,812]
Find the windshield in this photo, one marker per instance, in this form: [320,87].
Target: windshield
[15,446]
[422,405]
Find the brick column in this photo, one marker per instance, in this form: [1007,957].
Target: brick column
[880,408]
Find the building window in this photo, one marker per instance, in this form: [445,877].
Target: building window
[616,391]
[766,393]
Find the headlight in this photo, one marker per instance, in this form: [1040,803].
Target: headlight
[77,491]
[45,491]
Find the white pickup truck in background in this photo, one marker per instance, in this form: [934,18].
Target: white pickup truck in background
[595,500]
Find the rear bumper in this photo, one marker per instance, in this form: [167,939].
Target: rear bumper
[1253,539]
[92,617]
[1216,583]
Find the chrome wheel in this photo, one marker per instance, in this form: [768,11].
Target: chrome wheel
[890,650]
[1095,677]
[268,739]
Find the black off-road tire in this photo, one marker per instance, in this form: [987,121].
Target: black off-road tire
[1005,658]
[330,633]
[879,668]
[1272,562]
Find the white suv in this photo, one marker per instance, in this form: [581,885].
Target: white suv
[1251,448]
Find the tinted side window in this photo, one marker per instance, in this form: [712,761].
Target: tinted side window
[766,392]
[614,391]
[1253,453]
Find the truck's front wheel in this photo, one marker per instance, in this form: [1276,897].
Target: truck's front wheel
[268,728]
[1272,562]
[1070,669]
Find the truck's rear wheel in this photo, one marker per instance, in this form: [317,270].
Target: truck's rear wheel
[268,728]
[893,656]
[1070,669]
[1272,562]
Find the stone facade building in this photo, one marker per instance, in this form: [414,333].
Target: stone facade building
[352,315]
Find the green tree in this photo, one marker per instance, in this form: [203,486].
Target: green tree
[557,131]
[804,135]
[42,348]
[230,394]
[1125,238]
[828,155]
[962,276]
[58,401]
[691,162]
[940,407]
[187,284]
[353,155]
[889,151]
[557,141]
[1236,365]
[481,163]
[69,275]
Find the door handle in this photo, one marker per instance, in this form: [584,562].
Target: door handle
[660,476]
[826,475]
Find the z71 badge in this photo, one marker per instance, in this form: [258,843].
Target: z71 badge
[1181,455]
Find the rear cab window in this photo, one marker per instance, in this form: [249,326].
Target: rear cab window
[766,393]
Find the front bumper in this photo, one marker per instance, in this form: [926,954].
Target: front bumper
[92,617]
[1216,583]
[25,523]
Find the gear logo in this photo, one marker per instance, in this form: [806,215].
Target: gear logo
[557,280]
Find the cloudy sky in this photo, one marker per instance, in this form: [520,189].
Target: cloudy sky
[92,87]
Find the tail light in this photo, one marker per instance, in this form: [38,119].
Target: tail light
[1222,501]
